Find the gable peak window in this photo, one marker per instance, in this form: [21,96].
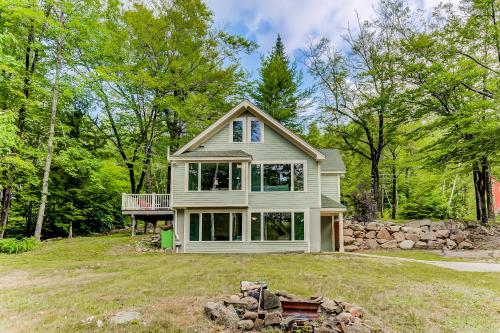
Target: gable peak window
[246,130]
[238,130]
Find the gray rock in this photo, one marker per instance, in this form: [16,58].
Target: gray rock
[358,241]
[424,228]
[331,306]
[348,240]
[246,325]
[395,228]
[357,328]
[438,226]
[373,226]
[428,236]
[421,245]
[458,237]
[384,234]
[411,230]
[434,245]
[258,324]
[272,318]
[124,317]
[250,315]
[413,237]
[371,244]
[399,236]
[269,300]
[406,244]
[222,315]
[345,317]
[359,234]
[443,233]
[392,244]
[357,227]
[351,248]
[465,245]
[347,223]
[348,232]
[450,244]
[371,234]
[382,241]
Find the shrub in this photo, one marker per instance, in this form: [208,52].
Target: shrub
[12,245]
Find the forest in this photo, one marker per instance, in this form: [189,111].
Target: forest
[96,94]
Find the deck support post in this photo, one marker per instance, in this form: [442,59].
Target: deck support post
[341,232]
[133,224]
[333,233]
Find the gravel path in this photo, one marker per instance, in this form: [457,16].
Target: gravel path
[455,265]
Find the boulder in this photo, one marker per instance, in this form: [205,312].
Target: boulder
[356,311]
[351,248]
[413,237]
[395,228]
[384,234]
[373,226]
[345,317]
[371,234]
[331,306]
[428,236]
[347,223]
[269,300]
[434,245]
[399,236]
[357,227]
[258,324]
[348,232]
[357,327]
[222,315]
[443,233]
[371,244]
[420,245]
[272,318]
[438,226]
[348,240]
[411,230]
[245,325]
[458,237]
[250,315]
[358,241]
[441,240]
[465,245]
[381,241]
[424,228]
[450,244]
[406,244]
[392,244]
[359,234]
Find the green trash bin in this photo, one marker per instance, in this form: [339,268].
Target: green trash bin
[167,239]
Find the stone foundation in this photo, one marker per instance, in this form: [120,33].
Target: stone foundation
[421,234]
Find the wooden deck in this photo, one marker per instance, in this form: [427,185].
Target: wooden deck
[146,204]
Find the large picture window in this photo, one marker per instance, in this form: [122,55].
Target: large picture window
[278,177]
[215,176]
[277,226]
[216,227]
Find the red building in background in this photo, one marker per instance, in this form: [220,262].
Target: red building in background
[495,184]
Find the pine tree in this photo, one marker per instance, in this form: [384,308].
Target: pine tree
[277,91]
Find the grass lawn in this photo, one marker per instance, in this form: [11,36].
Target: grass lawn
[57,286]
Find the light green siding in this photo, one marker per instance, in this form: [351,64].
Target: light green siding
[330,186]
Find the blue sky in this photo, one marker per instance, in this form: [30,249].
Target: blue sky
[297,21]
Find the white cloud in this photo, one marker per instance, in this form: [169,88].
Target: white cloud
[298,21]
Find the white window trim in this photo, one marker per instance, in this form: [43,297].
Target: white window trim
[242,119]
[186,177]
[291,162]
[249,132]
[293,211]
[200,212]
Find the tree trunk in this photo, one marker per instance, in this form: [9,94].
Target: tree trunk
[70,231]
[375,180]
[50,141]
[489,191]
[394,193]
[4,216]
[480,192]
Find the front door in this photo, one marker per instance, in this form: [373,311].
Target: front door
[326,234]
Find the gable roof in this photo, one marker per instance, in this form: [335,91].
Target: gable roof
[270,121]
[333,161]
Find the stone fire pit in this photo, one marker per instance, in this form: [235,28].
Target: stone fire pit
[256,308]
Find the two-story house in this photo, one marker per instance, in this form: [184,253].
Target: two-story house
[248,184]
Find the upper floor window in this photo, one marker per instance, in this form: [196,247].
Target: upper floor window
[238,130]
[246,130]
[270,177]
[214,176]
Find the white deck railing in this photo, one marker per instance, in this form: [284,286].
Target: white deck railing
[151,201]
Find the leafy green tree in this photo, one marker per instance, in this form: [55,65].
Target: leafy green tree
[278,90]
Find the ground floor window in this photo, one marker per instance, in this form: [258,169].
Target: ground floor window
[215,227]
[277,226]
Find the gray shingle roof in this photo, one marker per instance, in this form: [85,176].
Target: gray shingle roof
[215,153]
[333,161]
[327,202]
